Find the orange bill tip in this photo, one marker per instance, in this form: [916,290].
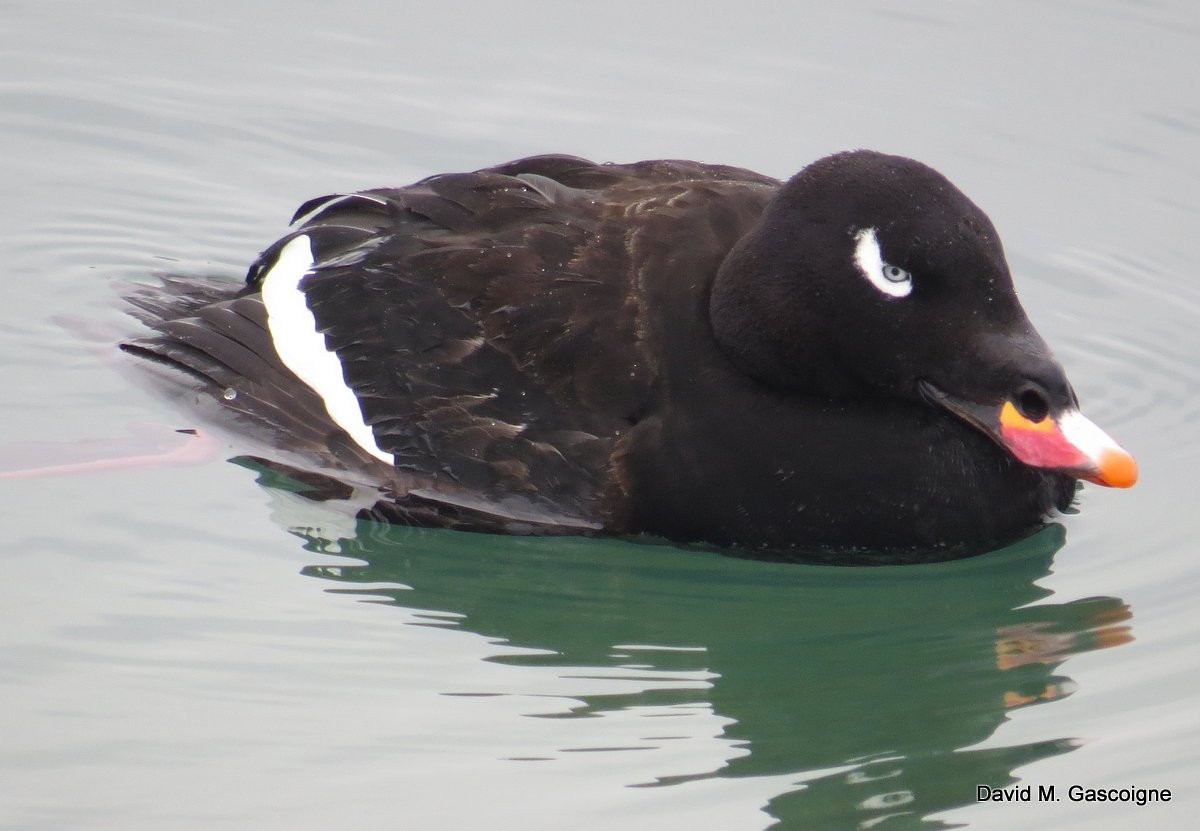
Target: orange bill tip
[1070,443]
[1116,469]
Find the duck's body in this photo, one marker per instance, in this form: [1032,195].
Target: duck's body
[686,350]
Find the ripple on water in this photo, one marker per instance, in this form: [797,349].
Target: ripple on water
[1139,347]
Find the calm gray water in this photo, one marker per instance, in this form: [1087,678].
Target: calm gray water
[185,648]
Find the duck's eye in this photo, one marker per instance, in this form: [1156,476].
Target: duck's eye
[890,279]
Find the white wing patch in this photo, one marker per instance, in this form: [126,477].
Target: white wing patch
[889,279]
[302,348]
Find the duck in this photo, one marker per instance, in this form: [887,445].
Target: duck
[665,349]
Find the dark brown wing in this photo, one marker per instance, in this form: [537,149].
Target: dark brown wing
[497,327]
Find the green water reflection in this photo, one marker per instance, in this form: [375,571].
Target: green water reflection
[888,675]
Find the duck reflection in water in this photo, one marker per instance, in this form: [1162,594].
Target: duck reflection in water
[862,693]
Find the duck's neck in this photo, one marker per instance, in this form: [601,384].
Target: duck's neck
[747,303]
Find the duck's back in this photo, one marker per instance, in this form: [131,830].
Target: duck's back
[499,330]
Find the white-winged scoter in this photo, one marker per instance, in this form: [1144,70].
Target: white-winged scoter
[685,350]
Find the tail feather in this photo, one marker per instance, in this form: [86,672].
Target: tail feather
[177,296]
[220,341]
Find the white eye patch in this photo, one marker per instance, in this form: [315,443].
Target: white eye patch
[889,279]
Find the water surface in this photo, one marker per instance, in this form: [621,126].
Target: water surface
[185,648]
